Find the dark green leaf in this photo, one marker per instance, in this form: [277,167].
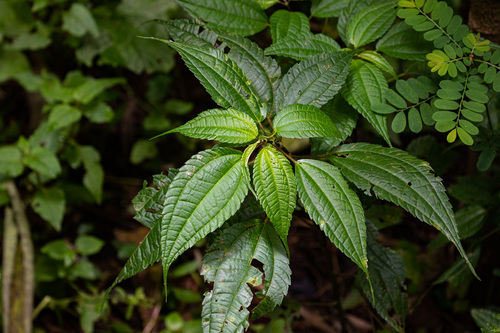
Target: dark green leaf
[445,104]
[43,161]
[399,122]
[406,90]
[304,121]
[303,48]
[395,99]
[414,120]
[50,204]
[12,163]
[470,220]
[486,319]
[485,159]
[370,23]
[328,8]
[289,25]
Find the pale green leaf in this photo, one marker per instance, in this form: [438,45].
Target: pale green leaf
[228,264]
[379,61]
[240,16]
[387,273]
[88,245]
[364,87]
[313,81]
[208,190]
[230,126]
[43,161]
[328,8]
[50,203]
[63,115]
[401,41]
[302,48]
[13,63]
[304,121]
[276,190]
[264,4]
[330,203]
[221,77]
[394,175]
[289,25]
[12,163]
[79,20]
[370,23]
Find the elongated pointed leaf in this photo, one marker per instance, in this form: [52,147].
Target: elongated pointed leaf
[240,16]
[289,25]
[208,189]
[364,87]
[379,61]
[387,273]
[328,8]
[229,126]
[275,186]
[396,176]
[370,23]
[221,77]
[189,32]
[401,41]
[337,210]
[304,47]
[304,121]
[228,264]
[314,81]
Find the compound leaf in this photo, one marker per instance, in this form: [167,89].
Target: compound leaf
[370,23]
[228,264]
[313,81]
[394,175]
[337,210]
[208,190]
[304,121]
[229,126]
[364,87]
[239,16]
[276,189]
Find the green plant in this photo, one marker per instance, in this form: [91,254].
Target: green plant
[318,98]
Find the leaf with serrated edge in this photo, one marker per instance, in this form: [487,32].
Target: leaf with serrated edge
[208,189]
[188,32]
[370,23]
[275,186]
[304,121]
[303,48]
[229,126]
[364,87]
[328,8]
[220,76]
[228,263]
[379,61]
[240,16]
[336,208]
[313,81]
[396,176]
[401,41]
[289,25]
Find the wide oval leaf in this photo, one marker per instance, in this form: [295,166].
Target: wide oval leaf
[275,186]
[394,175]
[208,189]
[401,41]
[229,126]
[304,121]
[370,23]
[337,210]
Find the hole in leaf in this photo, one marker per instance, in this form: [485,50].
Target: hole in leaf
[409,184]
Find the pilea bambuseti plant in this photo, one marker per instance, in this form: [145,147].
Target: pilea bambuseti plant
[318,97]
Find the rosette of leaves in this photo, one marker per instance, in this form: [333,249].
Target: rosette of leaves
[253,117]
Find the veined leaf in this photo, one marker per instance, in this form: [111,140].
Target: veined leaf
[289,25]
[208,189]
[313,81]
[401,41]
[222,78]
[229,126]
[364,87]
[379,61]
[396,176]
[387,273]
[228,263]
[353,7]
[370,23]
[239,16]
[337,210]
[304,121]
[276,190]
[328,8]
[262,71]
[188,32]
[303,48]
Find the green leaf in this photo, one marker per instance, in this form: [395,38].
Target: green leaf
[399,122]
[88,245]
[229,126]
[228,264]
[188,32]
[50,204]
[238,16]
[395,99]
[98,112]
[208,190]
[276,190]
[370,23]
[304,121]
[387,273]
[59,250]
[445,104]
[486,319]
[404,88]
[79,20]
[337,210]
[394,175]
[364,87]
[301,48]
[328,8]
[91,88]
[465,137]
[401,41]
[63,115]
[12,163]
[486,159]
[379,61]
[414,120]
[44,161]
[94,174]
[313,81]
[264,4]
[221,77]
[142,150]
[289,25]
[470,219]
